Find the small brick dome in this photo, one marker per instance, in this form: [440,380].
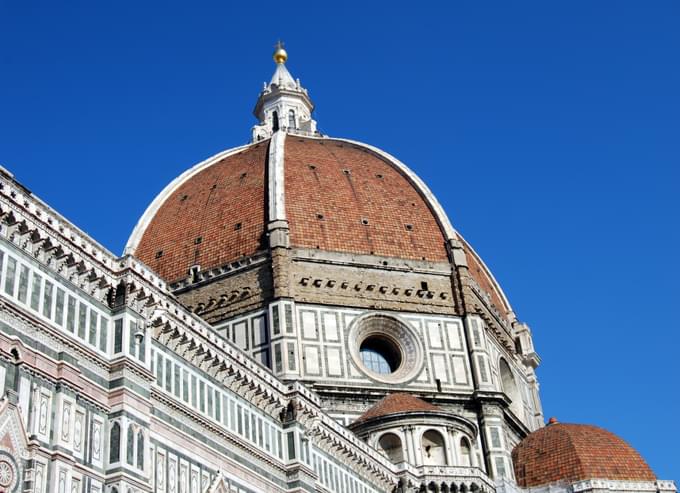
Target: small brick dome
[573,452]
[396,403]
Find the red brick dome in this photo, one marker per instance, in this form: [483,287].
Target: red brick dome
[337,196]
[573,452]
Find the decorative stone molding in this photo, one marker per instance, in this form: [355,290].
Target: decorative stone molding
[383,326]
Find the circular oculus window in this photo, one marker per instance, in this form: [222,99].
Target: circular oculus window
[9,478]
[385,348]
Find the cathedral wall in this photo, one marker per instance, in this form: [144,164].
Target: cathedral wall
[326,347]
[523,403]
[197,413]
[113,411]
[314,343]
[247,289]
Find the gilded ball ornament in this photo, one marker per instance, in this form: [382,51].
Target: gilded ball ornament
[280,55]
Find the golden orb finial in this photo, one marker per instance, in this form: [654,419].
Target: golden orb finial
[280,55]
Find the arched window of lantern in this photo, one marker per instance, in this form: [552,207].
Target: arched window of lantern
[140,449]
[390,445]
[291,119]
[434,449]
[130,445]
[510,387]
[465,453]
[114,443]
[275,121]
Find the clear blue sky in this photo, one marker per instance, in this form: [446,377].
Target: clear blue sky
[548,130]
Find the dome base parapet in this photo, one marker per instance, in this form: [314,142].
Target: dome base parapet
[591,486]
[444,479]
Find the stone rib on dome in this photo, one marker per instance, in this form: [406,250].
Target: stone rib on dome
[573,452]
[397,403]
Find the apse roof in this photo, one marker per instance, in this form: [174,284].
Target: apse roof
[574,452]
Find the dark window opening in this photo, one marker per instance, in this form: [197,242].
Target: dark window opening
[194,273]
[380,355]
[275,121]
[518,345]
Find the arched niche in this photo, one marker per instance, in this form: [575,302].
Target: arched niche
[114,443]
[390,444]
[510,387]
[465,453]
[433,448]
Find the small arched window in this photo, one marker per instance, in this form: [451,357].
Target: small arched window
[510,387]
[140,449]
[114,443]
[275,121]
[465,453]
[291,119]
[390,445]
[434,451]
[130,445]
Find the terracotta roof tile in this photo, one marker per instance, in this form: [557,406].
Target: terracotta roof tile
[214,217]
[397,403]
[340,197]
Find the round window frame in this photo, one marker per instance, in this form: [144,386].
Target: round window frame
[397,333]
[16,472]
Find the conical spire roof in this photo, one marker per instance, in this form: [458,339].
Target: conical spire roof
[282,78]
